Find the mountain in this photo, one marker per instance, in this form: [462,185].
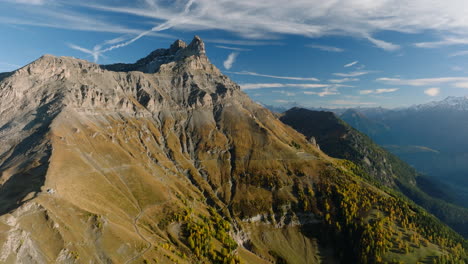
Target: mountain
[3,75]
[339,140]
[451,103]
[361,122]
[282,107]
[168,161]
[431,137]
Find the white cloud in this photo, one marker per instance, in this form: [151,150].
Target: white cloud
[352,74]
[350,64]
[56,16]
[343,80]
[30,2]
[276,77]
[9,65]
[314,18]
[230,60]
[459,53]
[242,42]
[366,91]
[324,48]
[351,103]
[252,86]
[461,85]
[270,19]
[424,81]
[325,92]
[232,48]
[432,91]
[379,91]
[447,41]
[289,94]
[281,101]
[93,53]
[383,44]
[456,68]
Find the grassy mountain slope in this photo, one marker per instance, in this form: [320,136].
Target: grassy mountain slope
[340,140]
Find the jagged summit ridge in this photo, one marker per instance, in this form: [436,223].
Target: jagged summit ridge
[449,103]
[175,81]
[177,52]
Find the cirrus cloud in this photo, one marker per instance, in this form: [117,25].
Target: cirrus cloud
[271,18]
[379,91]
[252,86]
[276,76]
[458,82]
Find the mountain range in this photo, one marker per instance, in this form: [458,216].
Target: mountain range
[431,137]
[340,140]
[167,161]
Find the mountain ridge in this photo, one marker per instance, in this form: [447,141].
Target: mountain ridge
[340,140]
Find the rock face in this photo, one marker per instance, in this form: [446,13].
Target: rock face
[177,52]
[146,162]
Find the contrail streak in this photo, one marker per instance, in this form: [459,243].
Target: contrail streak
[98,51]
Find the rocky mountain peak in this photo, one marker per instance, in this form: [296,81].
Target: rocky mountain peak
[177,45]
[450,103]
[197,46]
[177,52]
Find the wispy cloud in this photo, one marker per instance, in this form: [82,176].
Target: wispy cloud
[276,76]
[273,19]
[29,2]
[383,44]
[324,48]
[99,49]
[352,74]
[60,17]
[9,65]
[252,86]
[232,48]
[343,80]
[324,92]
[289,94]
[344,103]
[432,91]
[378,91]
[463,85]
[93,53]
[351,64]
[359,19]
[230,60]
[243,42]
[459,53]
[447,41]
[426,81]
[456,68]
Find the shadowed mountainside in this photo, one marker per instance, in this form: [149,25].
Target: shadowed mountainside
[339,140]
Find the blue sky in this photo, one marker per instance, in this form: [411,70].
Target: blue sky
[336,53]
